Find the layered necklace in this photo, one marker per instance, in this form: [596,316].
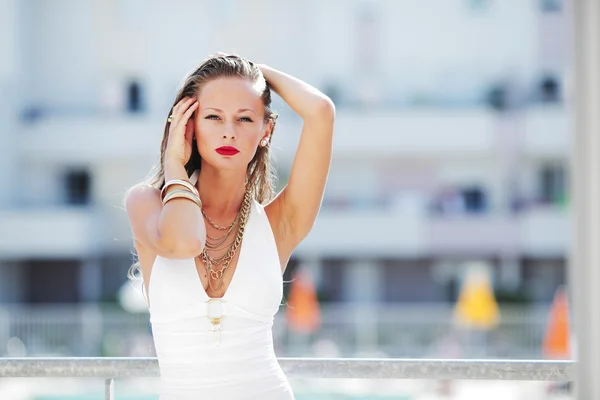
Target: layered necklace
[220,243]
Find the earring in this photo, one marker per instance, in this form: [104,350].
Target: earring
[264,142]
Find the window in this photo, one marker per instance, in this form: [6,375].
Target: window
[134,97]
[551,5]
[77,184]
[552,184]
[549,89]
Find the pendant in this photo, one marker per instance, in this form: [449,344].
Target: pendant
[214,313]
[216,275]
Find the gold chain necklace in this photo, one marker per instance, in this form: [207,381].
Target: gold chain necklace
[215,242]
[210,262]
[218,227]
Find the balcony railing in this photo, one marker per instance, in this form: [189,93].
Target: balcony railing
[113,368]
[392,331]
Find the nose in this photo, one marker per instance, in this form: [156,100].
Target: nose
[229,132]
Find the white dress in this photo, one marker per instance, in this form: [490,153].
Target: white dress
[236,361]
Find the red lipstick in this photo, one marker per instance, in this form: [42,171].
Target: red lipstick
[227,151]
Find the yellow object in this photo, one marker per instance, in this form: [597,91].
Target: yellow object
[476,306]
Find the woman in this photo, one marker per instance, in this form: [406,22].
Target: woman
[211,238]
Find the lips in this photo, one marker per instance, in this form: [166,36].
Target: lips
[227,151]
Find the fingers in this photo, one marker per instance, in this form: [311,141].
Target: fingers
[182,106]
[186,116]
[183,103]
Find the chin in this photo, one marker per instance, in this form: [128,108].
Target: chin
[228,164]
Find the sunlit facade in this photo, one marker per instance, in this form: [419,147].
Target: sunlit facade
[448,148]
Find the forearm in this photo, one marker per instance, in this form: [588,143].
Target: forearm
[306,100]
[180,224]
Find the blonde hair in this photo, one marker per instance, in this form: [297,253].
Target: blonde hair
[260,173]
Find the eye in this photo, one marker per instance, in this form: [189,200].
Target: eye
[212,116]
[246,119]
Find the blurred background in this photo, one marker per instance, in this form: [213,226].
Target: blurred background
[444,229]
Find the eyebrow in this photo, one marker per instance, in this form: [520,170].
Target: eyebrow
[240,110]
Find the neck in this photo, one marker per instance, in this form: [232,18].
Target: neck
[221,192]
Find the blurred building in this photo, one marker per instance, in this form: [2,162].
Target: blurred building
[451,144]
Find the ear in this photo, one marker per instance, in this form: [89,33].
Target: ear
[267,130]
[189,130]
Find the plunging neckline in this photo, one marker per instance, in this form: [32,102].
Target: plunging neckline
[235,271]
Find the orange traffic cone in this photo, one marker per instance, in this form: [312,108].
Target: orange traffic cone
[557,337]
[303,313]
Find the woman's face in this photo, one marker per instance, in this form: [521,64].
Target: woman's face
[229,123]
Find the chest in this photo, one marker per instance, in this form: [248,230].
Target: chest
[255,282]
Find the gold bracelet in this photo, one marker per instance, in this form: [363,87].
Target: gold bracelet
[186,194]
[181,182]
[182,194]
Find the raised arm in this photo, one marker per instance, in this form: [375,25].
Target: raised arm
[297,206]
[175,230]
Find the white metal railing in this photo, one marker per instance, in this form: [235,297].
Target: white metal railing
[113,368]
[346,331]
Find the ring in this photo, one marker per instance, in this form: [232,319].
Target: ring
[170,119]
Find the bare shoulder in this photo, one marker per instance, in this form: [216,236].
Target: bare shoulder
[141,202]
[141,196]
[143,206]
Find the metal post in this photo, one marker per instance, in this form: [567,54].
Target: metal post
[109,389]
[584,269]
